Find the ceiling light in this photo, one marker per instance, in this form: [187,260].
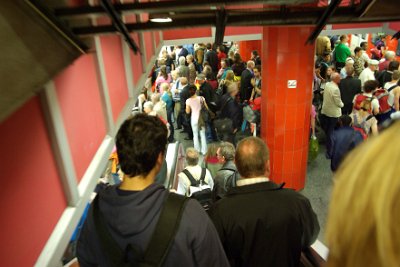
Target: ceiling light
[161,20]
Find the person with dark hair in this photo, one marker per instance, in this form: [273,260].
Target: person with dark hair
[343,140]
[212,58]
[238,66]
[365,57]
[255,57]
[274,223]
[221,54]
[129,212]
[342,51]
[367,94]
[358,61]
[386,76]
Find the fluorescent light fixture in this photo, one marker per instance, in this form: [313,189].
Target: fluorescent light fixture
[161,20]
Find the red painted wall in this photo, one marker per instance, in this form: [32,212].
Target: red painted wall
[80,103]
[148,40]
[243,30]
[31,194]
[115,72]
[356,26]
[246,47]
[136,61]
[187,33]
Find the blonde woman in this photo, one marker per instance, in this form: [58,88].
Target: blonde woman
[363,119]
[364,214]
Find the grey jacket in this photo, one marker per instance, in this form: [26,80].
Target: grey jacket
[221,183]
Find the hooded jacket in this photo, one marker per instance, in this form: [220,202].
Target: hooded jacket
[131,217]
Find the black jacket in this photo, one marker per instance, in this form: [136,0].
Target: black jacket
[245,85]
[184,95]
[231,109]
[264,225]
[349,87]
[206,91]
[212,58]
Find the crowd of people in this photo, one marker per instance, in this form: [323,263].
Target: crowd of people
[354,94]
[196,79]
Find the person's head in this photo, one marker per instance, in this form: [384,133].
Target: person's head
[182,61]
[192,89]
[343,38]
[237,58]
[144,92]
[254,54]
[364,46]
[396,75]
[226,152]
[148,107]
[349,70]
[183,81]
[189,58]
[163,71]
[335,77]
[257,71]
[141,142]
[175,74]
[155,98]
[209,46]
[250,64]
[231,54]
[192,156]
[233,89]
[329,71]
[349,61]
[373,64]
[224,63]
[221,48]
[370,86]
[393,65]
[358,51]
[252,158]
[390,55]
[230,75]
[364,213]
[164,54]
[164,87]
[201,78]
[326,56]
[211,150]
[345,121]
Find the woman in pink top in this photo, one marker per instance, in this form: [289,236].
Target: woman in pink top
[163,77]
[193,106]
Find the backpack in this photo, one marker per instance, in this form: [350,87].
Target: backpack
[199,190]
[360,127]
[359,99]
[382,95]
[160,241]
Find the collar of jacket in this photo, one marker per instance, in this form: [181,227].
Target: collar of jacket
[266,186]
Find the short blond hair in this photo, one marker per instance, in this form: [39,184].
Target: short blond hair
[364,213]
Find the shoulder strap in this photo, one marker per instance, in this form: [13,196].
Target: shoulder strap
[166,229]
[193,181]
[392,87]
[203,174]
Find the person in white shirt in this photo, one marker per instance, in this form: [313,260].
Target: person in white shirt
[349,63]
[192,160]
[369,73]
[364,56]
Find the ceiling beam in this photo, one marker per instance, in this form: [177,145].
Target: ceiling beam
[166,6]
[334,4]
[263,18]
[221,20]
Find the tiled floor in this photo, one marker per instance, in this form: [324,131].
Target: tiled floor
[318,184]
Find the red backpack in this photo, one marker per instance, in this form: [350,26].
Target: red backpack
[359,99]
[382,95]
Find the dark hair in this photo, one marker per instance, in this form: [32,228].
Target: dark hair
[192,89]
[357,49]
[139,142]
[250,157]
[258,67]
[163,72]
[208,46]
[345,120]
[363,43]
[237,58]
[254,52]
[221,48]
[342,37]
[393,65]
[370,86]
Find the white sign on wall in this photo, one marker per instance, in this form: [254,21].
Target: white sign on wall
[292,83]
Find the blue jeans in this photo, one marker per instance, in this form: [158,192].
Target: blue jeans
[202,148]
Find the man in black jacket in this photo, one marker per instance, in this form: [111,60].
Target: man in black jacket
[349,87]
[259,222]
[245,82]
[212,58]
[184,95]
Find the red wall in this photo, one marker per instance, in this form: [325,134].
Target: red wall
[31,194]
[136,61]
[187,33]
[148,40]
[80,103]
[115,72]
[243,30]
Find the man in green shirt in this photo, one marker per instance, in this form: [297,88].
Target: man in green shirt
[342,51]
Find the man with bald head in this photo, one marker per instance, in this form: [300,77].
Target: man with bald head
[259,222]
[331,108]
[245,82]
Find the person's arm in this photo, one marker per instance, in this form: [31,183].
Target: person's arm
[336,98]
[187,108]
[396,98]
[374,128]
[182,185]
[309,222]
[375,106]
[84,252]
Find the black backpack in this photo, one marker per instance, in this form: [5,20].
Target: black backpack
[203,195]
[160,241]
